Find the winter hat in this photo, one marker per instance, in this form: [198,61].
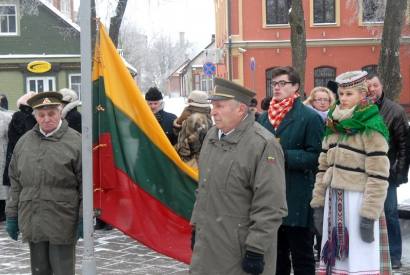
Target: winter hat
[352,79]
[23,99]
[198,99]
[153,94]
[45,99]
[68,95]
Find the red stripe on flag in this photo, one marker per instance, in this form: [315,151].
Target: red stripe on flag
[135,212]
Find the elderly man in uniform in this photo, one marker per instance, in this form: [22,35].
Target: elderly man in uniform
[241,194]
[45,194]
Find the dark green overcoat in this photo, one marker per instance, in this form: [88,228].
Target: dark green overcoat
[300,135]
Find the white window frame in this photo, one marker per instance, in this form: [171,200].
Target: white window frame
[46,80]
[16,20]
[70,84]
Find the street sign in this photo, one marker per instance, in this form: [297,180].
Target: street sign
[209,68]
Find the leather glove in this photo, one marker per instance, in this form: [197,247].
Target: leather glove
[193,239]
[253,263]
[12,228]
[318,219]
[80,229]
[367,230]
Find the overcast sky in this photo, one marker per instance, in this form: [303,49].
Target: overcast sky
[194,17]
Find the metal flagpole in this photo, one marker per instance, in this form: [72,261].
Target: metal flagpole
[89,267]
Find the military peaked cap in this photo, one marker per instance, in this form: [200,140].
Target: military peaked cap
[225,89]
[45,99]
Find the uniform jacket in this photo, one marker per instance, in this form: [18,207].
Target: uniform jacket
[396,120]
[356,163]
[300,135]
[21,121]
[46,185]
[240,202]
[166,119]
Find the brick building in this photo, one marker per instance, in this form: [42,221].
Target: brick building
[340,36]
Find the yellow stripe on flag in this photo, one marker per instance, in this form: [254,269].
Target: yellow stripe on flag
[124,93]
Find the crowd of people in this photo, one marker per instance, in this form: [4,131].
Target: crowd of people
[274,185]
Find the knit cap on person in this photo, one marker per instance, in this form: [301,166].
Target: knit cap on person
[198,99]
[153,94]
[352,79]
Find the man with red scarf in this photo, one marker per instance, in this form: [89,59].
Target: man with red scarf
[299,131]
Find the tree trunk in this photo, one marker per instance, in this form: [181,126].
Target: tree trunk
[298,41]
[116,20]
[389,59]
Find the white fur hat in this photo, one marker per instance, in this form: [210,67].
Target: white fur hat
[198,99]
[68,95]
[23,99]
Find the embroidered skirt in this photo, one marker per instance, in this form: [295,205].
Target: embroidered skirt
[364,258]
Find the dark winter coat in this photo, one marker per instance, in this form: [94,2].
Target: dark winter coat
[300,134]
[22,121]
[396,120]
[166,119]
[240,202]
[72,116]
[46,185]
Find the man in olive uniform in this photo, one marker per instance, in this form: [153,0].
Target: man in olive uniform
[241,193]
[45,194]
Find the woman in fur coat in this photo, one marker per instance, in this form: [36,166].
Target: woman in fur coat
[351,184]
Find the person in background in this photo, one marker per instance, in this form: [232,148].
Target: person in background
[396,120]
[253,108]
[320,100]
[351,184]
[299,130]
[197,103]
[265,103]
[5,118]
[4,103]
[70,112]
[21,121]
[192,126]
[241,191]
[155,101]
[46,189]
[333,86]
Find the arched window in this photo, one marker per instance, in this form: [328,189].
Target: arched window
[323,75]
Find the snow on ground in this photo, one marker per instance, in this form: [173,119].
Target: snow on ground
[175,105]
[403,193]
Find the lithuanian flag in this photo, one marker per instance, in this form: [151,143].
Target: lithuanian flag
[141,185]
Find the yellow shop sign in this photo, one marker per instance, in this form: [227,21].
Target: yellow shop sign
[38,67]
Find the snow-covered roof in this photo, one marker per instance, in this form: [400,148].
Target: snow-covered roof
[60,14]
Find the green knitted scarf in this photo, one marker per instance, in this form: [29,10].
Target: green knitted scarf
[365,119]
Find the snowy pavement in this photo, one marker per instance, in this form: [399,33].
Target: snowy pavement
[116,254]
